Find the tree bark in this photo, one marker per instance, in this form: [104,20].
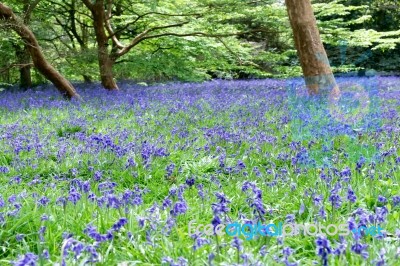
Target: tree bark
[313,58]
[105,61]
[24,59]
[39,61]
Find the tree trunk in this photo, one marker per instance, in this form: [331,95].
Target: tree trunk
[105,61]
[313,59]
[87,79]
[39,61]
[24,59]
[106,69]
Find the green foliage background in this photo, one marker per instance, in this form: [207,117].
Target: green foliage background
[363,25]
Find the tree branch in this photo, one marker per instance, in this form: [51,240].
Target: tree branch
[201,34]
[142,36]
[88,4]
[29,10]
[109,29]
[5,69]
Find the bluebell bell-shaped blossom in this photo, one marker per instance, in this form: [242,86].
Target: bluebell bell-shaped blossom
[130,163]
[322,213]
[190,181]
[112,201]
[237,243]
[97,176]
[351,196]
[382,199]
[169,224]
[42,230]
[345,174]
[74,196]
[45,254]
[200,190]
[2,203]
[199,241]
[119,224]
[290,218]
[360,163]
[360,249]
[302,208]
[381,260]
[28,259]
[318,199]
[180,207]
[323,249]
[43,201]
[263,251]
[381,214]
[170,169]
[335,198]
[167,202]
[396,200]
[19,237]
[341,247]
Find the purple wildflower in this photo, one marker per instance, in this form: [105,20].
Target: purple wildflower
[180,207]
[323,249]
[29,259]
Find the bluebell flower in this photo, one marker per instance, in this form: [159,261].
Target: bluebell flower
[43,201]
[237,243]
[360,163]
[351,196]
[290,218]
[199,241]
[172,191]
[19,237]
[382,199]
[42,230]
[119,224]
[381,260]
[170,169]
[210,258]
[322,213]
[360,249]
[381,214]
[2,203]
[241,165]
[169,224]
[28,259]
[335,199]
[45,254]
[341,247]
[263,251]
[4,169]
[317,199]
[74,196]
[97,176]
[352,224]
[12,198]
[345,174]
[190,181]
[130,163]
[166,203]
[256,171]
[200,191]
[396,200]
[179,207]
[323,249]
[302,208]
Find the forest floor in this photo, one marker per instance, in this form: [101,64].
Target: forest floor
[118,177]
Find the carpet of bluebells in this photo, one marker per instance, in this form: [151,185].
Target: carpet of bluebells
[116,179]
